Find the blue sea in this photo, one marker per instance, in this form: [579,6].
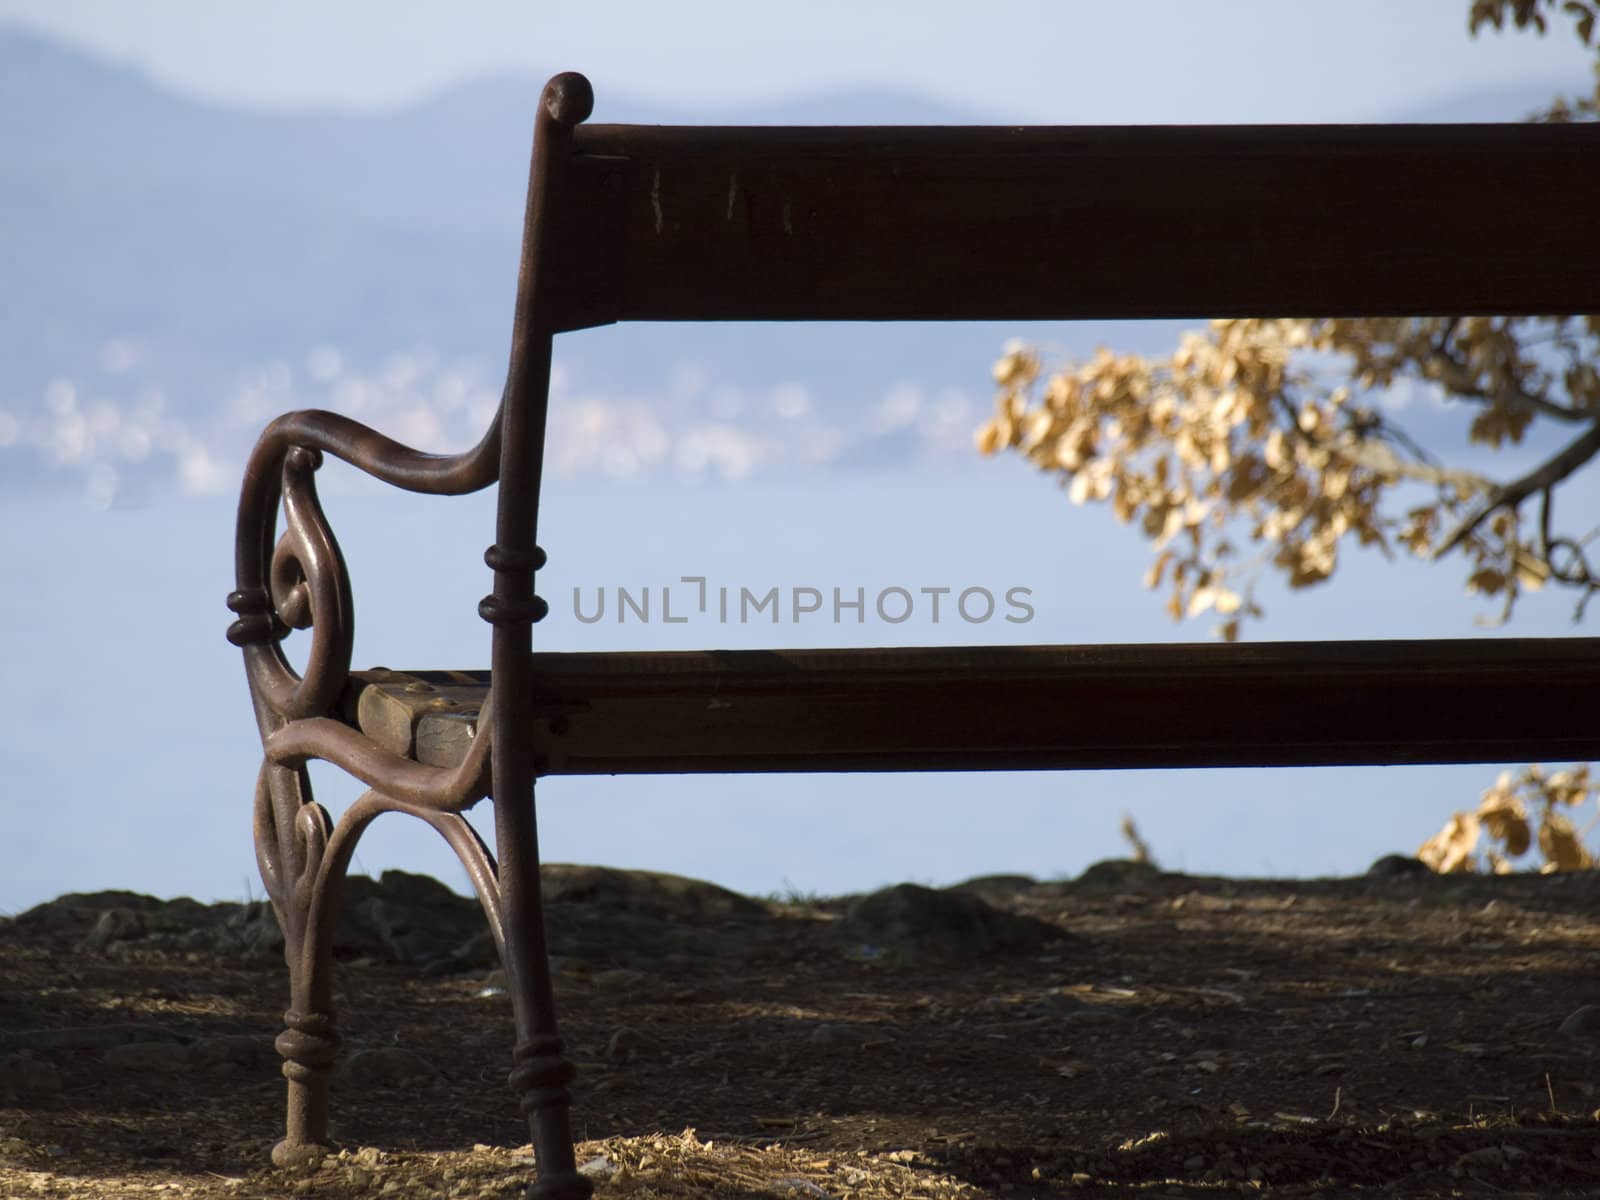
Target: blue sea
[130,750]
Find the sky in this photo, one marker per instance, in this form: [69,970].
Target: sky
[155,795]
[1044,61]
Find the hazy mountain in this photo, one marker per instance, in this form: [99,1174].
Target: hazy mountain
[187,258]
[243,229]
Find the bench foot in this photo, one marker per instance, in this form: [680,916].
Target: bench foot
[300,1154]
[539,1078]
[567,1186]
[308,1045]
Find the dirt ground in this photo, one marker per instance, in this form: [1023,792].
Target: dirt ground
[1191,1037]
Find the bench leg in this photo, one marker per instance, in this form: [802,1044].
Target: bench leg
[292,835]
[540,1071]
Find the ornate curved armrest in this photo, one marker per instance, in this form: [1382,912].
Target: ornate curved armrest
[300,581]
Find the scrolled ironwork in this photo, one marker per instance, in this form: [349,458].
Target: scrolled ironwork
[435,789]
[291,838]
[300,580]
[310,589]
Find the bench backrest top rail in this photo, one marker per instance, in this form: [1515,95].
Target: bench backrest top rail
[954,223]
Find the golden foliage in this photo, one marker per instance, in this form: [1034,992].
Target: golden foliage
[1503,816]
[1258,421]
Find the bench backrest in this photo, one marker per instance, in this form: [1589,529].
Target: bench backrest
[644,223]
[662,223]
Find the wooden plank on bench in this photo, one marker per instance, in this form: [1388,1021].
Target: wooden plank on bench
[754,224]
[1023,707]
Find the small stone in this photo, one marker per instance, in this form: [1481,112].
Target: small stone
[1582,1022]
[996,888]
[76,910]
[599,1167]
[1399,866]
[1117,875]
[387,1066]
[911,924]
[157,1057]
[113,925]
[654,892]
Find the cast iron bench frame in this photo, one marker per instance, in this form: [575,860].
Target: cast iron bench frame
[684,223]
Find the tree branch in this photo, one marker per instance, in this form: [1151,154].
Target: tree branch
[1462,380]
[1542,477]
[1376,456]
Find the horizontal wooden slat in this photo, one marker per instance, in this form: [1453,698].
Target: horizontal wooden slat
[701,223]
[1040,707]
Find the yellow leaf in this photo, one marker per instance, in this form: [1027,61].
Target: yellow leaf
[1450,850]
[1506,820]
[1531,571]
[1558,842]
[1202,599]
[1486,580]
[1152,577]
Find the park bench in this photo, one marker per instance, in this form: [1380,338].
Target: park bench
[630,223]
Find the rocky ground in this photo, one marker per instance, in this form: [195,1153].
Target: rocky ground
[1126,1033]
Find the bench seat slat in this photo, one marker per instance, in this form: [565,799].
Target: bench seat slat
[1022,707]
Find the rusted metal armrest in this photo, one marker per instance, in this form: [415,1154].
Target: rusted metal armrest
[1017,707]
